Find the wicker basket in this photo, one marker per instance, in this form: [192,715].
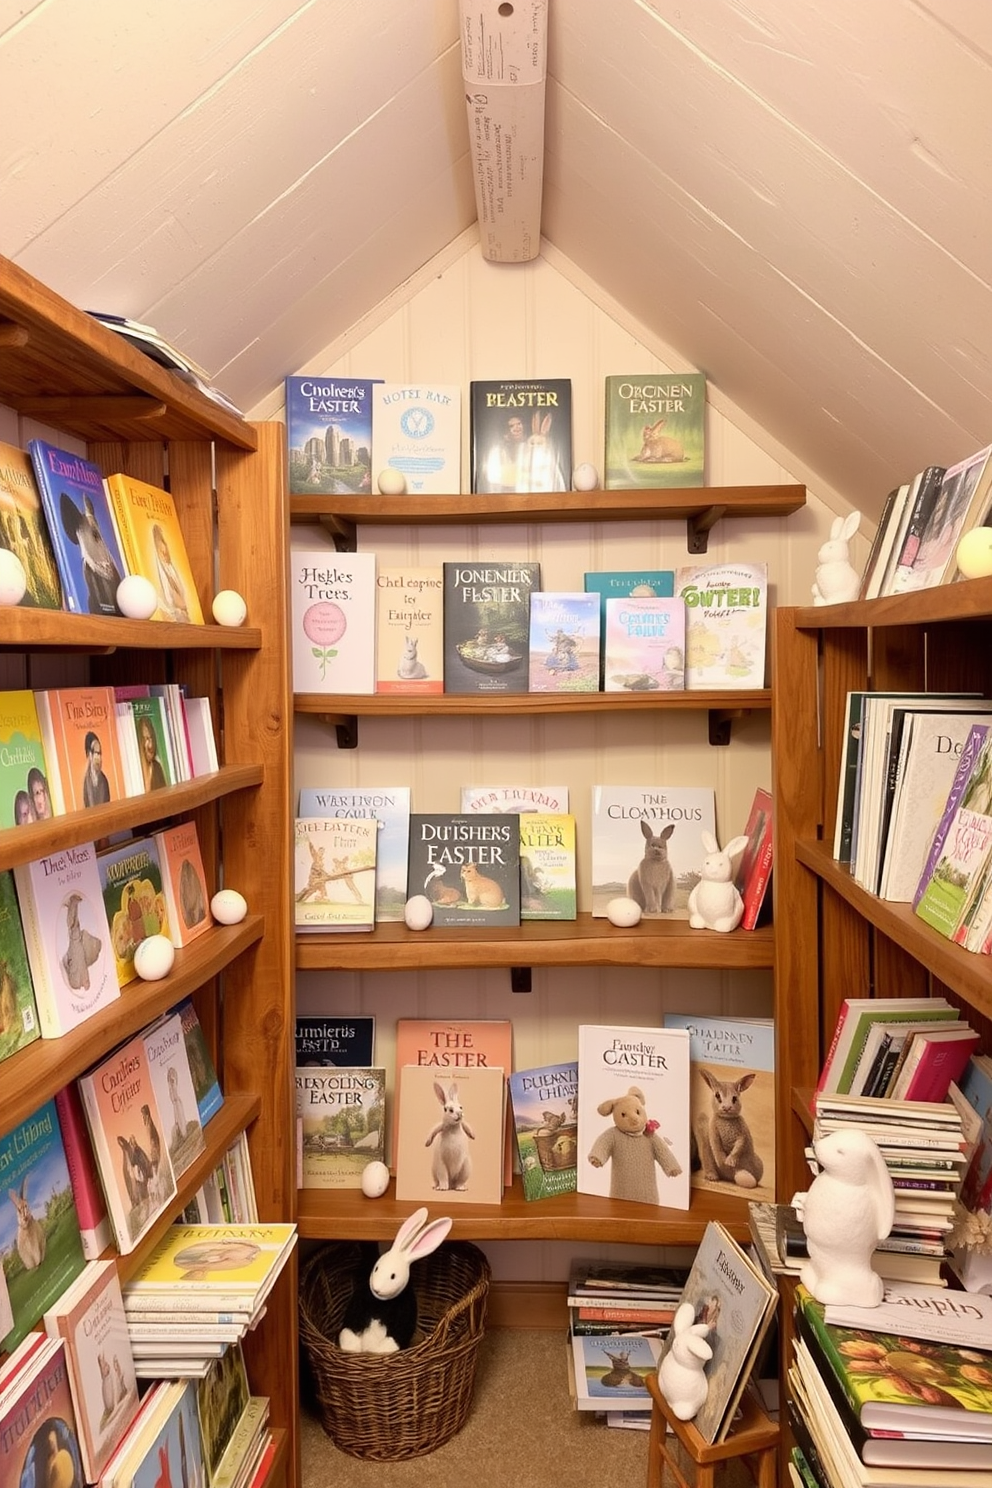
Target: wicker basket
[386,1407]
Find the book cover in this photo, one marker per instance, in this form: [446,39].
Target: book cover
[333,615]
[629,583]
[487,625]
[731,1102]
[39,1443]
[221,1400]
[126,1129]
[544,1109]
[151,730]
[67,937]
[563,642]
[229,1267]
[87,1193]
[245,1446]
[24,532]
[612,1371]
[935,1058]
[409,623]
[515,798]
[39,1229]
[131,879]
[334,873]
[334,1041]
[962,503]
[417,431]
[521,435]
[18,1012]
[174,1454]
[726,608]
[963,856]
[755,869]
[153,545]
[647,845]
[389,807]
[200,733]
[547,866]
[883,542]
[975,760]
[633,1115]
[79,729]
[655,430]
[467,865]
[343,1112]
[444,1045]
[451,1134]
[184,882]
[168,1065]
[644,645]
[209,1097]
[329,435]
[976,1088]
[25,788]
[906,574]
[81,527]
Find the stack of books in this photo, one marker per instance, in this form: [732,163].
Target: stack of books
[905,1049]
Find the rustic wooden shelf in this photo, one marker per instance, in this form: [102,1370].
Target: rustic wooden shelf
[968,599]
[338,707]
[102,634]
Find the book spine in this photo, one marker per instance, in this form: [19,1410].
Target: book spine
[755,896]
[94,1223]
[822,1082]
[646,1316]
[44,993]
[973,748]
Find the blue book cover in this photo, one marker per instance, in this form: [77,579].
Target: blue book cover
[976,1087]
[175,1454]
[389,806]
[628,583]
[81,527]
[564,642]
[329,434]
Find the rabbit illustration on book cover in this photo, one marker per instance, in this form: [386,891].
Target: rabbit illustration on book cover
[451,1163]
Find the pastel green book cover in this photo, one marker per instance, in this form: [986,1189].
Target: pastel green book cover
[655,430]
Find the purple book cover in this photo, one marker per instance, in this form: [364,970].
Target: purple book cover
[81,527]
[968,762]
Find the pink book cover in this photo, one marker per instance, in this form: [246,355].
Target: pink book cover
[450,1140]
[644,645]
[444,1045]
[94,1224]
[941,1062]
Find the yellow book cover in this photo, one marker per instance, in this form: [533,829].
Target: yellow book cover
[152,544]
[24,531]
[238,1260]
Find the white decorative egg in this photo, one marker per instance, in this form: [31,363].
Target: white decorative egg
[154,957]
[13,579]
[375,1180]
[229,608]
[974,553]
[391,482]
[419,912]
[228,907]
[585,477]
[623,913]
[136,597]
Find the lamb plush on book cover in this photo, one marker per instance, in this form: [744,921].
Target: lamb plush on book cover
[334,873]
[468,867]
[564,642]
[329,434]
[544,1107]
[153,545]
[389,807]
[644,645]
[647,845]
[725,616]
[417,431]
[521,435]
[410,630]
[487,625]
[655,430]
[23,530]
[81,527]
[333,607]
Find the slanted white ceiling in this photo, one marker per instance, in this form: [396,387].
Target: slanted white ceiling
[795,196]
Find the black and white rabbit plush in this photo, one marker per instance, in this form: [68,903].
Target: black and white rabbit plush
[382,1314]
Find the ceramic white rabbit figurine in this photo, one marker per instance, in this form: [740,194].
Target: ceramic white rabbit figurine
[681,1373]
[849,1208]
[836,579]
[714,902]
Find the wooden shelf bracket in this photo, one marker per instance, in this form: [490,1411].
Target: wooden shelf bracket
[697,528]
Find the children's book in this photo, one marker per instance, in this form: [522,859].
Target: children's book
[24,532]
[343,1112]
[516,798]
[451,1135]
[965,852]
[547,866]
[168,1064]
[544,1110]
[153,545]
[521,435]
[221,1400]
[25,787]
[81,527]
[87,1192]
[131,879]
[725,619]
[647,845]
[333,1041]
[644,645]
[389,807]
[18,1011]
[175,1452]
[563,642]
[446,1045]
[79,729]
[333,610]
[156,756]
[487,625]
[632,583]
[655,430]
[209,1097]
[468,866]
[409,624]
[417,432]
[639,1150]
[217,1267]
[611,1371]
[970,787]
[334,873]
[754,871]
[329,434]
[39,1443]
[184,882]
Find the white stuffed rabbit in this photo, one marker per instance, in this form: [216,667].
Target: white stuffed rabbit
[714,902]
[382,1314]
[836,580]
[681,1376]
[849,1208]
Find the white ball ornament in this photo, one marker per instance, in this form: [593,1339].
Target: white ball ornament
[136,597]
[229,608]
[418,913]
[585,477]
[391,482]
[13,579]
[974,553]
[154,957]
[375,1180]
[228,907]
[623,913]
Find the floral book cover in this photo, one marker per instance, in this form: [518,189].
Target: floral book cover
[333,611]
[521,435]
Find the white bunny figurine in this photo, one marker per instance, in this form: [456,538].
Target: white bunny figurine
[849,1208]
[714,902]
[681,1376]
[836,580]
[381,1317]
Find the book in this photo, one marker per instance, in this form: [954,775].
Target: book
[906,574]
[87,1193]
[81,527]
[389,807]
[725,618]
[975,1086]
[970,785]
[544,1109]
[515,798]
[644,645]
[334,873]
[754,871]
[153,546]
[168,1065]
[962,503]
[563,642]
[451,1134]
[467,865]
[216,1267]
[612,1371]
[630,583]
[417,432]
[329,435]
[487,625]
[333,620]
[79,730]
[963,857]
[547,866]
[618,1279]
[245,1445]
[67,937]
[155,754]
[23,530]
[209,1097]
[647,845]
[883,542]
[135,906]
[409,624]
[853,1023]
[633,1114]
[39,1442]
[521,435]
[221,1400]
[184,882]
[200,733]
[446,1045]
[927,1313]
[173,1452]
[18,1011]
[731,1102]
[126,1129]
[343,1111]
[655,430]
[25,790]
[333,1041]
[935,1058]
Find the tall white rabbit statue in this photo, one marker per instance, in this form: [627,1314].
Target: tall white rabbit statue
[714,902]
[837,580]
[849,1208]
[681,1373]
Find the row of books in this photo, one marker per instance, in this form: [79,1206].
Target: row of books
[905,1048]
[78,535]
[344,432]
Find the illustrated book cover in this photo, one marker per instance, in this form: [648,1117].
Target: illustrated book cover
[79,729]
[334,873]
[633,1114]
[563,642]
[644,645]
[409,625]
[25,788]
[547,866]
[515,798]
[451,1135]
[18,1011]
[754,871]
[970,787]
[230,1268]
[544,1110]
[905,573]
[168,1065]
[962,503]
[131,879]
[329,435]
[963,856]
[629,583]
[655,430]
[39,1443]
[153,545]
[468,866]
[175,1452]
[487,625]
[521,435]
[611,1371]
[206,1086]
[24,531]
[446,1045]
[647,845]
[343,1112]
[417,431]
[221,1400]
[334,1041]
[87,1191]
[184,882]
[389,807]
[156,756]
[726,606]
[81,527]
[333,613]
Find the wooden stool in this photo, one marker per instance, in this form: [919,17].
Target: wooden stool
[755,1438]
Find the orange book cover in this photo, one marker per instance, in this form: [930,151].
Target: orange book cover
[79,732]
[184,882]
[153,545]
[446,1046]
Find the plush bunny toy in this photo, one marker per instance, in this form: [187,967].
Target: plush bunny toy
[836,579]
[714,902]
[681,1376]
[382,1314]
